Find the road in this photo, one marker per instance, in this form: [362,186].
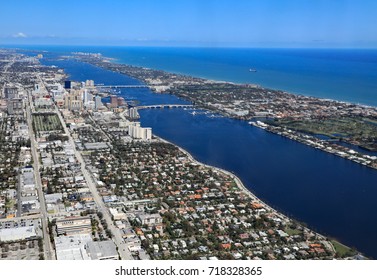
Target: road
[124,253]
[49,252]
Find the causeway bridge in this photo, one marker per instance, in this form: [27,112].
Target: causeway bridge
[164,106]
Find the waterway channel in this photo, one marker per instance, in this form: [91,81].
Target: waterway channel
[331,195]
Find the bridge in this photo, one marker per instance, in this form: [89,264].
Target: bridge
[121,86]
[164,106]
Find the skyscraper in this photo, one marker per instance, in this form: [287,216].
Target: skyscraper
[98,102]
[67,84]
[113,101]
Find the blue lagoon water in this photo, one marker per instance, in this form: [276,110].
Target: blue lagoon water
[331,195]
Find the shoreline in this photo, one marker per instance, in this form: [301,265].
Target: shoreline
[318,145]
[239,183]
[337,151]
[119,61]
[249,193]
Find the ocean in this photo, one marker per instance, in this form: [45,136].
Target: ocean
[341,74]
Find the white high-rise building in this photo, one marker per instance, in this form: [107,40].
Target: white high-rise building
[137,132]
[133,113]
[85,96]
[97,102]
[88,97]
[148,133]
[36,88]
[89,83]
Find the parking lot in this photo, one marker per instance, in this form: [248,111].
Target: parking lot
[16,223]
[22,250]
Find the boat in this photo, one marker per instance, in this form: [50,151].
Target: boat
[252,70]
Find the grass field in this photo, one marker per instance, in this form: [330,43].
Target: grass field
[342,250]
[46,122]
[291,231]
[361,131]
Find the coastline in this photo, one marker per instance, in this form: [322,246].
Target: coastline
[311,141]
[241,186]
[261,84]
[336,150]
[249,193]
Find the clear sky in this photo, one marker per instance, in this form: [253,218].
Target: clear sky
[239,23]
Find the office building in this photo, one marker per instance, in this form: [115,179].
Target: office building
[113,101]
[82,247]
[10,92]
[73,225]
[72,247]
[14,234]
[36,88]
[137,132]
[134,114]
[67,84]
[97,102]
[121,102]
[73,101]
[15,106]
[89,83]
[102,250]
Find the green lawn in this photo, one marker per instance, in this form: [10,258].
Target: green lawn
[47,122]
[342,250]
[351,129]
[291,231]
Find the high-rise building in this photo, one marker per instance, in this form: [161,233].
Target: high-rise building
[15,106]
[89,83]
[67,84]
[137,132]
[87,96]
[113,101]
[133,113]
[148,133]
[36,88]
[97,102]
[121,101]
[10,92]
[73,101]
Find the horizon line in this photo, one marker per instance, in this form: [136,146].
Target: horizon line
[12,45]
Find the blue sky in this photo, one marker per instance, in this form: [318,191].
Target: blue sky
[238,23]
